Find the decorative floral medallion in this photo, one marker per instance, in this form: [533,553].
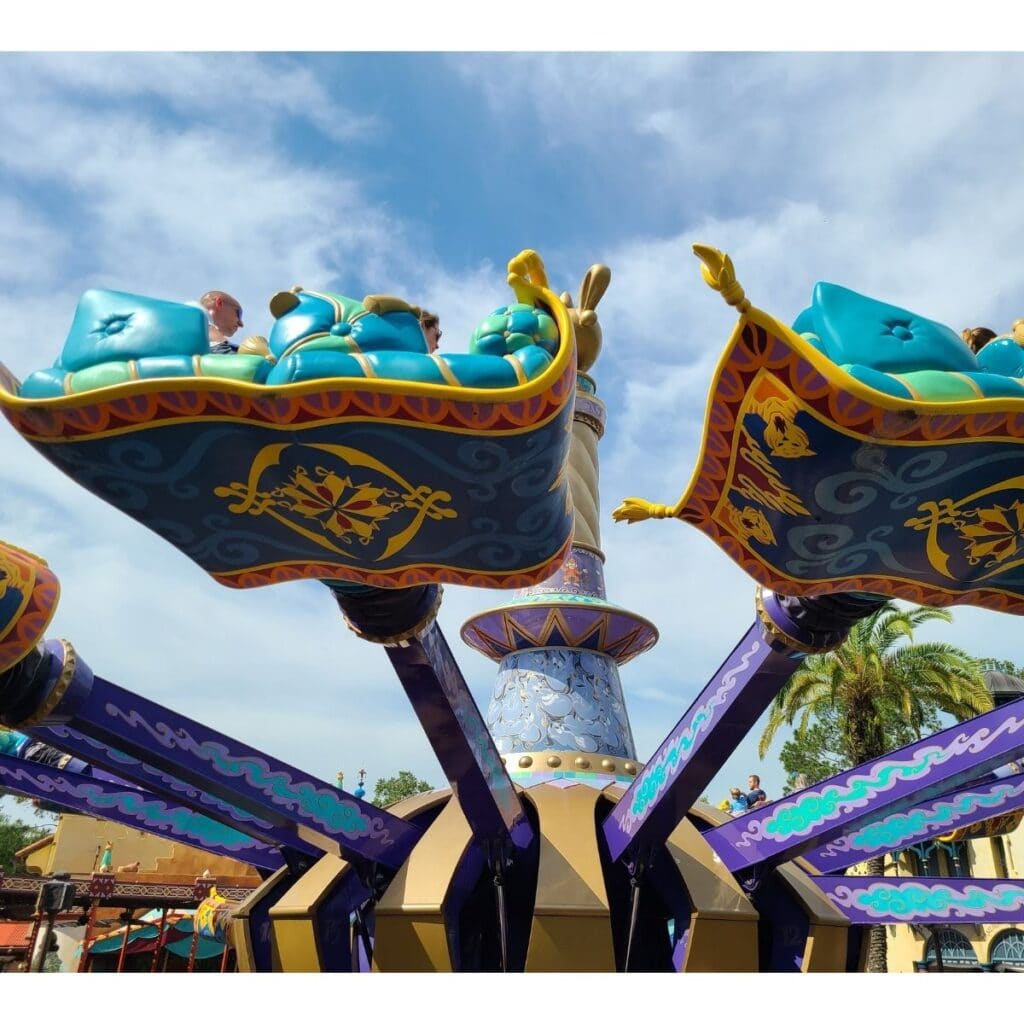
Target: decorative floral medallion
[987,535]
[337,497]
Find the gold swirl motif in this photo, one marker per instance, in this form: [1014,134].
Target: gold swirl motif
[7,575]
[993,532]
[748,524]
[302,495]
[56,695]
[15,574]
[776,633]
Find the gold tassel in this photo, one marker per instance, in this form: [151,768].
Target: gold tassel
[636,510]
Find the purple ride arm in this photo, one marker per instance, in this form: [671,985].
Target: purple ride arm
[55,691]
[134,808]
[459,737]
[725,711]
[404,621]
[952,810]
[869,899]
[895,782]
[118,767]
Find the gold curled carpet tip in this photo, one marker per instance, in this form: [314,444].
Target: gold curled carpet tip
[636,510]
[718,273]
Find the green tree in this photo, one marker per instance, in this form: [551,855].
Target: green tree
[820,750]
[389,791]
[877,678]
[14,836]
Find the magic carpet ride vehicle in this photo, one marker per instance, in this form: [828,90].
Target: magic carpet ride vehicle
[337,448]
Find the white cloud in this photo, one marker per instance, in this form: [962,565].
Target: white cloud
[241,93]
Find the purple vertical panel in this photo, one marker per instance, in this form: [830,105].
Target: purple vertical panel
[690,757]
[331,921]
[459,737]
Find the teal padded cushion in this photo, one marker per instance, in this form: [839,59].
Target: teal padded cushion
[392,332]
[116,326]
[48,383]
[11,743]
[1004,356]
[856,329]
[998,385]
[313,315]
[511,328]
[804,323]
[472,371]
[878,380]
[318,364]
[939,385]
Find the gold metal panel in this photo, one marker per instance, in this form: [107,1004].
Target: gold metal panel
[710,814]
[612,769]
[411,943]
[571,930]
[721,945]
[422,881]
[410,933]
[712,889]
[317,839]
[825,951]
[569,878]
[412,805]
[293,916]
[239,932]
[723,924]
[570,944]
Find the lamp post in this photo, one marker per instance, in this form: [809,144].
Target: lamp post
[54,896]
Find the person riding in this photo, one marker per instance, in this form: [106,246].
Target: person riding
[755,794]
[223,319]
[430,324]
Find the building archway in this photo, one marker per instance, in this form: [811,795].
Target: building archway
[1007,951]
[957,952]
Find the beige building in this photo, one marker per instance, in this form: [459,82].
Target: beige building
[78,842]
[77,846]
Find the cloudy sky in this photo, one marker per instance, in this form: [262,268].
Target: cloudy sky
[421,175]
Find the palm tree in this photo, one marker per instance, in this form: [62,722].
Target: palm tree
[869,678]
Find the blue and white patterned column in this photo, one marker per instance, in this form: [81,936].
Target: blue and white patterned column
[557,701]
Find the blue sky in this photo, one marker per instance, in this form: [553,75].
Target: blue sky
[421,174]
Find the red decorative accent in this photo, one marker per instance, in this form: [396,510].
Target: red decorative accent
[399,578]
[101,885]
[91,417]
